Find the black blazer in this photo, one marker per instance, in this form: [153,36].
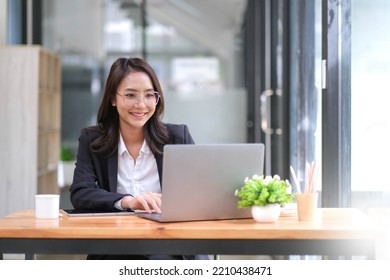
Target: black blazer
[94,183]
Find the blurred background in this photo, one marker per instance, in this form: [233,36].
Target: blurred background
[306,77]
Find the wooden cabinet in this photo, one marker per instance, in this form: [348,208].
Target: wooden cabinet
[30,125]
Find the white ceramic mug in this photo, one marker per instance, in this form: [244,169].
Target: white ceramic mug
[47,206]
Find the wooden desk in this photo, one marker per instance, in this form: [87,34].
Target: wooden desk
[337,232]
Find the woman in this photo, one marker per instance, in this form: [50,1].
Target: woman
[119,161]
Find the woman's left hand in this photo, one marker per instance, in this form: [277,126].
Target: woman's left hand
[149,201]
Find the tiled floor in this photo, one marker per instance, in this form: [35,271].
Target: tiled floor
[44,257]
[83,257]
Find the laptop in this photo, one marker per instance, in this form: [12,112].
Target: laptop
[199,181]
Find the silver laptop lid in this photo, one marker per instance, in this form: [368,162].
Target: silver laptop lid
[199,181]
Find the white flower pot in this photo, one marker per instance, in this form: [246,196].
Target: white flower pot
[266,214]
[65,173]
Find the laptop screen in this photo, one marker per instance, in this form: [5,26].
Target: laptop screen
[199,181]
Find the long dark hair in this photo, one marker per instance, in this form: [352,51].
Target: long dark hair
[108,118]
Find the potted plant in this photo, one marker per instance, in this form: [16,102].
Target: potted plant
[265,196]
[66,167]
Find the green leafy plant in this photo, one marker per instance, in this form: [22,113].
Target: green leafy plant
[260,191]
[66,154]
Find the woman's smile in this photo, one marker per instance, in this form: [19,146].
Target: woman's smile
[138,114]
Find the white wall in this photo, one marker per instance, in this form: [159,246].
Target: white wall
[212,116]
[3,22]
[75,26]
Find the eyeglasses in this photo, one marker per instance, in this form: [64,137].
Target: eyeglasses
[150,98]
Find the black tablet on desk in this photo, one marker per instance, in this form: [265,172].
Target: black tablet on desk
[78,213]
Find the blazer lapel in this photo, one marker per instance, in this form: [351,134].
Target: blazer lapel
[159,161]
[112,166]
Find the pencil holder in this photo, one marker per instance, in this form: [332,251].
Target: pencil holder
[307,206]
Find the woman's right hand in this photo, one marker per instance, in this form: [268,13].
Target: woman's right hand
[149,201]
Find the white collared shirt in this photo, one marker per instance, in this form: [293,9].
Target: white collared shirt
[137,176]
